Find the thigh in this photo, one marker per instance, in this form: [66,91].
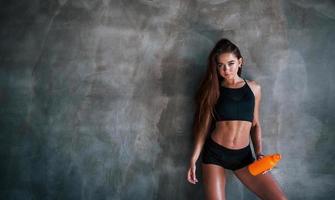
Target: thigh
[263,185]
[214,180]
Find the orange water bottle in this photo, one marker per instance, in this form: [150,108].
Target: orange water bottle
[264,164]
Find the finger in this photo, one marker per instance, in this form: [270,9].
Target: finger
[194,175]
[195,178]
[189,176]
[192,179]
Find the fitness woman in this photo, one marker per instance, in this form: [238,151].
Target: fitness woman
[228,108]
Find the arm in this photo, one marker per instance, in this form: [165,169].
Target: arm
[199,140]
[256,131]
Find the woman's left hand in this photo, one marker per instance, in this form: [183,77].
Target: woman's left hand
[266,171]
[259,156]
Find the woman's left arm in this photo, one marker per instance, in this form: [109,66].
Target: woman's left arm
[256,131]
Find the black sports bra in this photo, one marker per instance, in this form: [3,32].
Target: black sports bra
[235,104]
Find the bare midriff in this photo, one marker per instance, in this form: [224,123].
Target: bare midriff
[232,134]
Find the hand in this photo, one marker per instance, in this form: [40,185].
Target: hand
[267,171]
[191,175]
[259,156]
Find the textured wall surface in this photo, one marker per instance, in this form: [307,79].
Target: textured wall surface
[97,96]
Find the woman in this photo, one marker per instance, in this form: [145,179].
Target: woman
[231,103]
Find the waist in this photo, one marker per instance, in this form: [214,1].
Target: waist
[232,134]
[229,149]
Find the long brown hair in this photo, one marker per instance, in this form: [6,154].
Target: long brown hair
[209,90]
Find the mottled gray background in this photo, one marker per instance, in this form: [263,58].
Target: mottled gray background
[96,96]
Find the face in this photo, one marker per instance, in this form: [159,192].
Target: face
[228,65]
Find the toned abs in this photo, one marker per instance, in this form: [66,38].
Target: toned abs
[232,134]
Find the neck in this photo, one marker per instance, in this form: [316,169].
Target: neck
[232,82]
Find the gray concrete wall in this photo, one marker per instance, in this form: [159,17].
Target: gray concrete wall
[96,96]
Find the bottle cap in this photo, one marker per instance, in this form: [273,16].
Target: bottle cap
[277,156]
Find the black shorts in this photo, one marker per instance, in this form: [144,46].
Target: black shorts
[233,159]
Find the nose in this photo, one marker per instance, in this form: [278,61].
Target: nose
[225,69]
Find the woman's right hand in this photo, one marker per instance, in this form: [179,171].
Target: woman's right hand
[191,175]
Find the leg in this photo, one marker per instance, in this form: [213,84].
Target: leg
[263,185]
[214,181]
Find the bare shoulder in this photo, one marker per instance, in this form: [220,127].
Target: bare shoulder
[255,87]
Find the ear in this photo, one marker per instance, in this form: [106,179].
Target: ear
[240,62]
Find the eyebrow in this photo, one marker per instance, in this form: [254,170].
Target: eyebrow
[228,61]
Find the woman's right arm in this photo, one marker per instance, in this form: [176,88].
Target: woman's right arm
[199,140]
